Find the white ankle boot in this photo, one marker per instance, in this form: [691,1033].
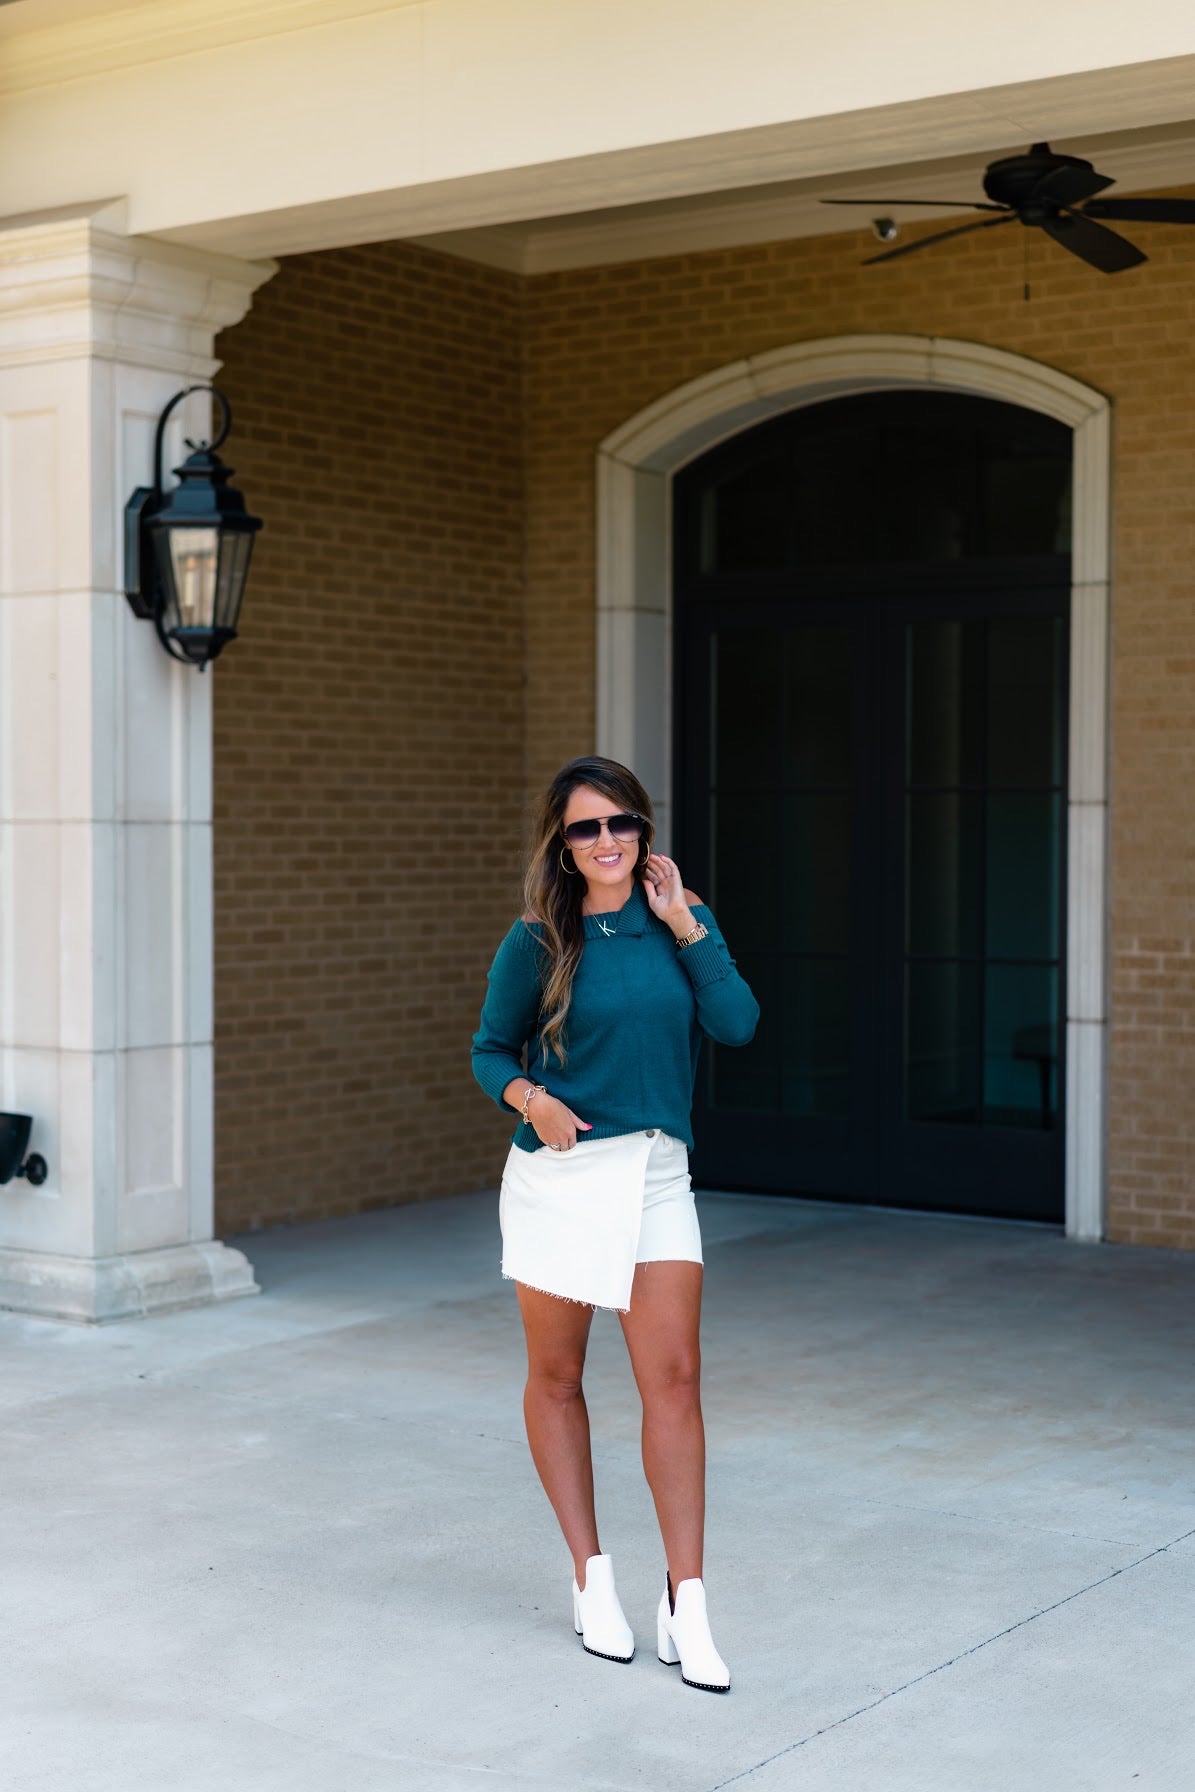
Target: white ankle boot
[598,1617]
[683,1634]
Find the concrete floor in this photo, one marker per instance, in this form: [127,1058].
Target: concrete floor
[295,1544]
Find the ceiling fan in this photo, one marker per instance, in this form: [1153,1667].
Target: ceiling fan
[1054,193]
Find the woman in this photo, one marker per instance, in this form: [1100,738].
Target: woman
[609,981]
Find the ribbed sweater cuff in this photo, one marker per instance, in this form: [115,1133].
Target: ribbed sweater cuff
[704,963]
[493,1073]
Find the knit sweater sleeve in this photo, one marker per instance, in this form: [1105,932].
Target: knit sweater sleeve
[726,1009]
[509,1013]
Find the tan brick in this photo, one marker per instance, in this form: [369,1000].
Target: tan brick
[370,718]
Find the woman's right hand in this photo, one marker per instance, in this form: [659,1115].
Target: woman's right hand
[555,1125]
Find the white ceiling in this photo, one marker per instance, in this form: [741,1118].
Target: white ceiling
[1154,159]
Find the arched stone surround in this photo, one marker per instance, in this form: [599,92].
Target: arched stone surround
[634,619]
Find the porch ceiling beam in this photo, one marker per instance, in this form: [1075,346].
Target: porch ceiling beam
[826,149]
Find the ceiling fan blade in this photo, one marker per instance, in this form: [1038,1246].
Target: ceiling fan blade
[1144,211]
[1091,242]
[954,205]
[1070,186]
[939,236]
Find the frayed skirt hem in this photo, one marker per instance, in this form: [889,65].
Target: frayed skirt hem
[575,1300]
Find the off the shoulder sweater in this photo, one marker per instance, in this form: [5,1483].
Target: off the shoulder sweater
[639,1010]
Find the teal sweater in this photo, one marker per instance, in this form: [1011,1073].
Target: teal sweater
[633,1033]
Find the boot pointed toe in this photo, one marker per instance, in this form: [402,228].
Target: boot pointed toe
[683,1636]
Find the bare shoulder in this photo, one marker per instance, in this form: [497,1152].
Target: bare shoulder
[530,919]
[693,901]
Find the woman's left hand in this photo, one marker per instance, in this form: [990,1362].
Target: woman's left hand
[665,891]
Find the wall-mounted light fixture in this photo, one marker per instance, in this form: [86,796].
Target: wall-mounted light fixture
[187,550]
[14,1137]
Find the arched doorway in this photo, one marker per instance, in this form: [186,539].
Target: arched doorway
[871,610]
[636,466]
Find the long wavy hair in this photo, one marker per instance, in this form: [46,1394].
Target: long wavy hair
[554,889]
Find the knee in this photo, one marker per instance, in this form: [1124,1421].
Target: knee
[558,1382]
[675,1382]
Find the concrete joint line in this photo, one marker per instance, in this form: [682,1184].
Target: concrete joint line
[962,1655]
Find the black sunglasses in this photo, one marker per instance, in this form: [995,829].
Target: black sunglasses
[622,827]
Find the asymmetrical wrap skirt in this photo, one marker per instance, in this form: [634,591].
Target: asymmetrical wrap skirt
[575,1223]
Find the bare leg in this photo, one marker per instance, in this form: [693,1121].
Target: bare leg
[557,1419]
[662,1334]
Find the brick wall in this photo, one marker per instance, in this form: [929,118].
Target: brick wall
[382,660]
[368,732]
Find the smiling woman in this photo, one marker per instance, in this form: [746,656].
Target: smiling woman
[607,984]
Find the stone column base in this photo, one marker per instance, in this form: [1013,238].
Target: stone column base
[94,1289]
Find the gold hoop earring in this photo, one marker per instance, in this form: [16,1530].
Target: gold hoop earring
[564,867]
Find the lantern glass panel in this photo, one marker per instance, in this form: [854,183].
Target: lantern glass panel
[235,549]
[193,560]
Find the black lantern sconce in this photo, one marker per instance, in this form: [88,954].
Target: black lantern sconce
[187,550]
[14,1138]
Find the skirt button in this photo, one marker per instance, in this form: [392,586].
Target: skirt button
[651,1132]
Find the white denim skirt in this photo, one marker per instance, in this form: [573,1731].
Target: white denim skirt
[575,1223]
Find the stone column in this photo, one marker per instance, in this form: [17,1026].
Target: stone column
[105,782]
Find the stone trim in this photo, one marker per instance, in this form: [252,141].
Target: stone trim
[72,285]
[91,1290]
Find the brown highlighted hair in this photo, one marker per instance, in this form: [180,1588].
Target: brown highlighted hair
[553,888]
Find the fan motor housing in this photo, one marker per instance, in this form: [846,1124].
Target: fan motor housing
[1013,179]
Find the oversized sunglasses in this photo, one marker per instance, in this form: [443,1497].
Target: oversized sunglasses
[622,827]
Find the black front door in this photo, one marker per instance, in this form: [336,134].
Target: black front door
[871,659]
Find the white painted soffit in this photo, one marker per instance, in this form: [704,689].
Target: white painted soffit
[1139,161]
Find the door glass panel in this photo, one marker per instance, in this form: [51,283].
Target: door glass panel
[983,866]
[944,871]
[1025,700]
[747,1078]
[745,834]
[1020,1057]
[942,1043]
[747,684]
[930,488]
[886,477]
[945,702]
[1026,501]
[815,870]
[746,519]
[1023,899]
[836,493]
[819,705]
[817,1046]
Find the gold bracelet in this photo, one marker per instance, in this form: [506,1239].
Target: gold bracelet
[531,1090]
[699,933]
